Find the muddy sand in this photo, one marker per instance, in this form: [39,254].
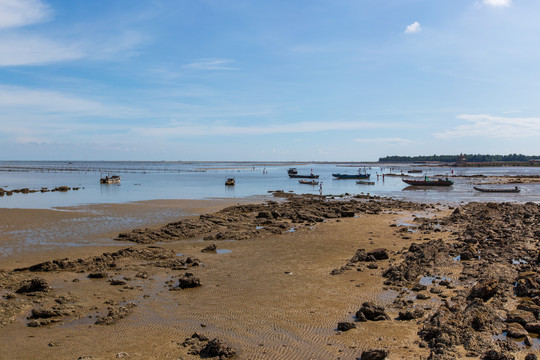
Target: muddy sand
[300,278]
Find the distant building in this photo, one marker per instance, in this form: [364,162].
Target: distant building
[461,161]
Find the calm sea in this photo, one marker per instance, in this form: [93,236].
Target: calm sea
[201,180]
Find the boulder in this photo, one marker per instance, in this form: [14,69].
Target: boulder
[516,331]
[188,280]
[484,290]
[411,314]
[379,254]
[372,312]
[33,285]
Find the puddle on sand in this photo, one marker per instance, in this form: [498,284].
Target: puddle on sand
[291,230]
[519,342]
[223,251]
[519,261]
[430,280]
[259,227]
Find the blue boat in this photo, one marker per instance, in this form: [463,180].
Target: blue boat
[348,176]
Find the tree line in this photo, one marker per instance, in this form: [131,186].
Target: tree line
[454,158]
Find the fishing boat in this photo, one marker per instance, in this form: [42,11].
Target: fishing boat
[514,190]
[363,182]
[309,182]
[415,171]
[427,182]
[110,179]
[349,176]
[292,171]
[230,181]
[305,176]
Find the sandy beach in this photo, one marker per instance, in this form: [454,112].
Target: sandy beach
[286,280]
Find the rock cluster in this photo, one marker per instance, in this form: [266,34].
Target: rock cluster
[248,221]
[497,245]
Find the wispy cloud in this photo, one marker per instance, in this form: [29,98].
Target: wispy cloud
[197,129]
[414,28]
[211,64]
[17,13]
[385,141]
[18,50]
[497,2]
[498,127]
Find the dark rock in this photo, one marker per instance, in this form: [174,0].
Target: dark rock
[419,287]
[374,354]
[33,285]
[485,290]
[411,314]
[521,317]
[531,357]
[346,326]
[217,348]
[115,313]
[98,275]
[516,331]
[497,355]
[209,249]
[379,254]
[372,312]
[188,280]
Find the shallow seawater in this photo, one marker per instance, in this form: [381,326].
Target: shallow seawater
[199,180]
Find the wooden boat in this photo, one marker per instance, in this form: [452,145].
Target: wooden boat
[297,176]
[349,176]
[363,182]
[414,171]
[426,182]
[309,182]
[110,179]
[230,181]
[514,190]
[292,171]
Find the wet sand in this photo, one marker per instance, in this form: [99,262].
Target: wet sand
[268,297]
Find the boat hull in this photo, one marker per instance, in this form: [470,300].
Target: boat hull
[428,182]
[348,176]
[308,182]
[298,176]
[497,190]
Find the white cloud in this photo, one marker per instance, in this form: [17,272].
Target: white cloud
[17,13]
[385,141]
[414,28]
[15,51]
[497,127]
[211,64]
[497,2]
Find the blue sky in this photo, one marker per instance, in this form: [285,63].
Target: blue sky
[267,80]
